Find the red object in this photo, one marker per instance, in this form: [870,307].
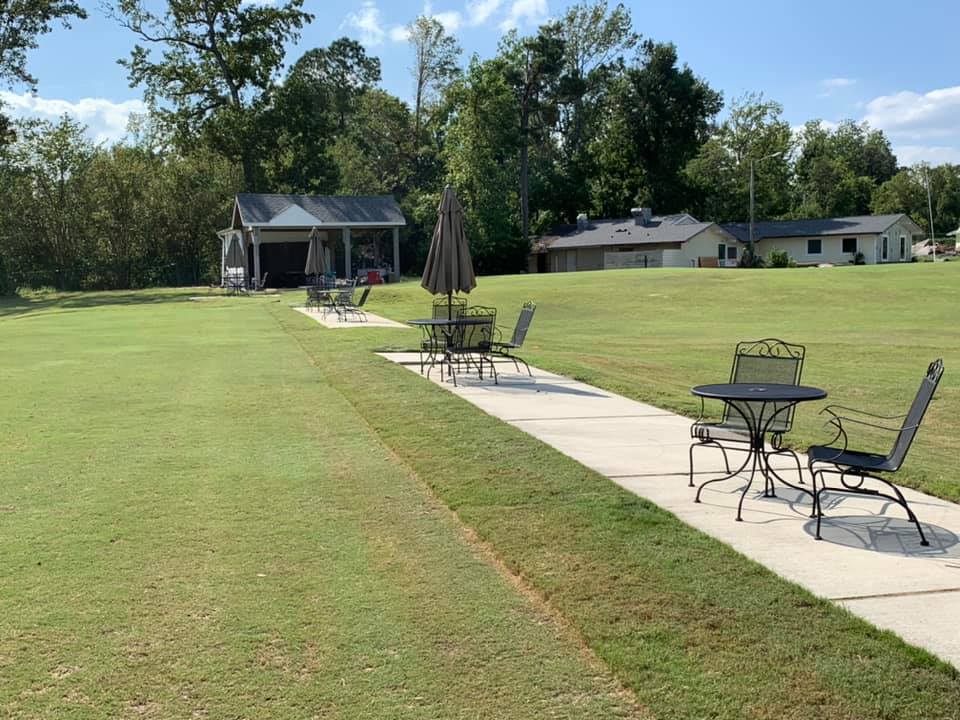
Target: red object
[373,277]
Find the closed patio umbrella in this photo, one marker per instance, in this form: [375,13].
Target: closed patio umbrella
[449,268]
[236,257]
[316,260]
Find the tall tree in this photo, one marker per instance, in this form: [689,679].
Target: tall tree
[596,38]
[435,63]
[907,192]
[533,68]
[310,111]
[838,170]
[219,58]
[659,117]
[754,133]
[22,22]
[481,155]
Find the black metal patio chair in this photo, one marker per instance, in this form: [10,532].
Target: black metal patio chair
[855,467]
[434,340]
[472,342]
[505,350]
[350,308]
[754,361]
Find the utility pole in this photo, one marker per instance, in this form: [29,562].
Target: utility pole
[933,235]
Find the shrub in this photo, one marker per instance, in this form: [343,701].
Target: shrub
[859,259]
[750,260]
[780,259]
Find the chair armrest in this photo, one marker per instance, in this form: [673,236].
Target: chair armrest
[831,409]
[839,420]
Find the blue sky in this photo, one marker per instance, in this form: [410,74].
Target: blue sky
[895,64]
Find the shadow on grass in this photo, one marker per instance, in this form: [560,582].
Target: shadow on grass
[68,301]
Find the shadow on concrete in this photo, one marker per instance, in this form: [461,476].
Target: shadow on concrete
[894,536]
[531,387]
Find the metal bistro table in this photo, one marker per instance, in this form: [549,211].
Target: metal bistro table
[759,404]
[448,328]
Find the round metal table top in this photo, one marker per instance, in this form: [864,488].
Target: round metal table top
[760,392]
[442,322]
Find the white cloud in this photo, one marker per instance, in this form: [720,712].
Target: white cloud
[479,11]
[366,21]
[912,116]
[832,85]
[106,120]
[524,12]
[450,19]
[399,33]
[932,154]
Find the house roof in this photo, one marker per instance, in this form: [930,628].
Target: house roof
[623,232]
[298,211]
[856,225]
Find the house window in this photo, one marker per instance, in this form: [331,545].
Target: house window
[814,246]
[731,252]
[849,246]
[903,247]
[884,249]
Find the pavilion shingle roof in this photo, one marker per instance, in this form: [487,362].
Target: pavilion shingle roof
[260,209]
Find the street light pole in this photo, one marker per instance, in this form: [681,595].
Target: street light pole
[933,235]
[750,242]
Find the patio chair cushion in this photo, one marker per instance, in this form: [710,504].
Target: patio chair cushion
[869,462]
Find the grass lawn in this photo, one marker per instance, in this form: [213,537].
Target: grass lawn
[870,332]
[221,509]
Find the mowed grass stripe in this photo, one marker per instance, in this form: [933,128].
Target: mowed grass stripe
[195,522]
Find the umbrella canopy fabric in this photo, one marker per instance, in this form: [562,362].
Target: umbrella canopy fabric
[449,268]
[316,260]
[235,255]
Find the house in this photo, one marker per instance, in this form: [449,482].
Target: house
[274,231]
[642,241]
[880,238]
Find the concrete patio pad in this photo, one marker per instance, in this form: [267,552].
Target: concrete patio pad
[333,322]
[870,559]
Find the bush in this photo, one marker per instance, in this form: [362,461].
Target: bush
[859,259]
[780,259]
[750,260]
[7,286]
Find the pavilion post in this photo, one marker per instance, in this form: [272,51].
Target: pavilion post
[396,254]
[256,258]
[348,270]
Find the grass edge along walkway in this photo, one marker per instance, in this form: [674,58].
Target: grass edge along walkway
[694,628]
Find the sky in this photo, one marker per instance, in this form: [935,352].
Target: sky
[894,64]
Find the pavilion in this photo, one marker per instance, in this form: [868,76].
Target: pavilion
[274,232]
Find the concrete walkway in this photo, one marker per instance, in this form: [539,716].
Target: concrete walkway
[333,321]
[870,560]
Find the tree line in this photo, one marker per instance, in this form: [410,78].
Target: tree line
[584,115]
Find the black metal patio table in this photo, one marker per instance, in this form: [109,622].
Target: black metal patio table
[759,404]
[448,327]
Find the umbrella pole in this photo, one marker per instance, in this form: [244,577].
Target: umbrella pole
[449,305]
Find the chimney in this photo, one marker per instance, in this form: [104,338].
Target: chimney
[582,221]
[641,216]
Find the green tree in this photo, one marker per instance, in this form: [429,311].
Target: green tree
[906,192]
[659,118]
[21,23]
[482,156]
[754,132]
[310,111]
[595,41]
[837,171]
[48,210]
[219,58]
[532,68]
[435,64]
